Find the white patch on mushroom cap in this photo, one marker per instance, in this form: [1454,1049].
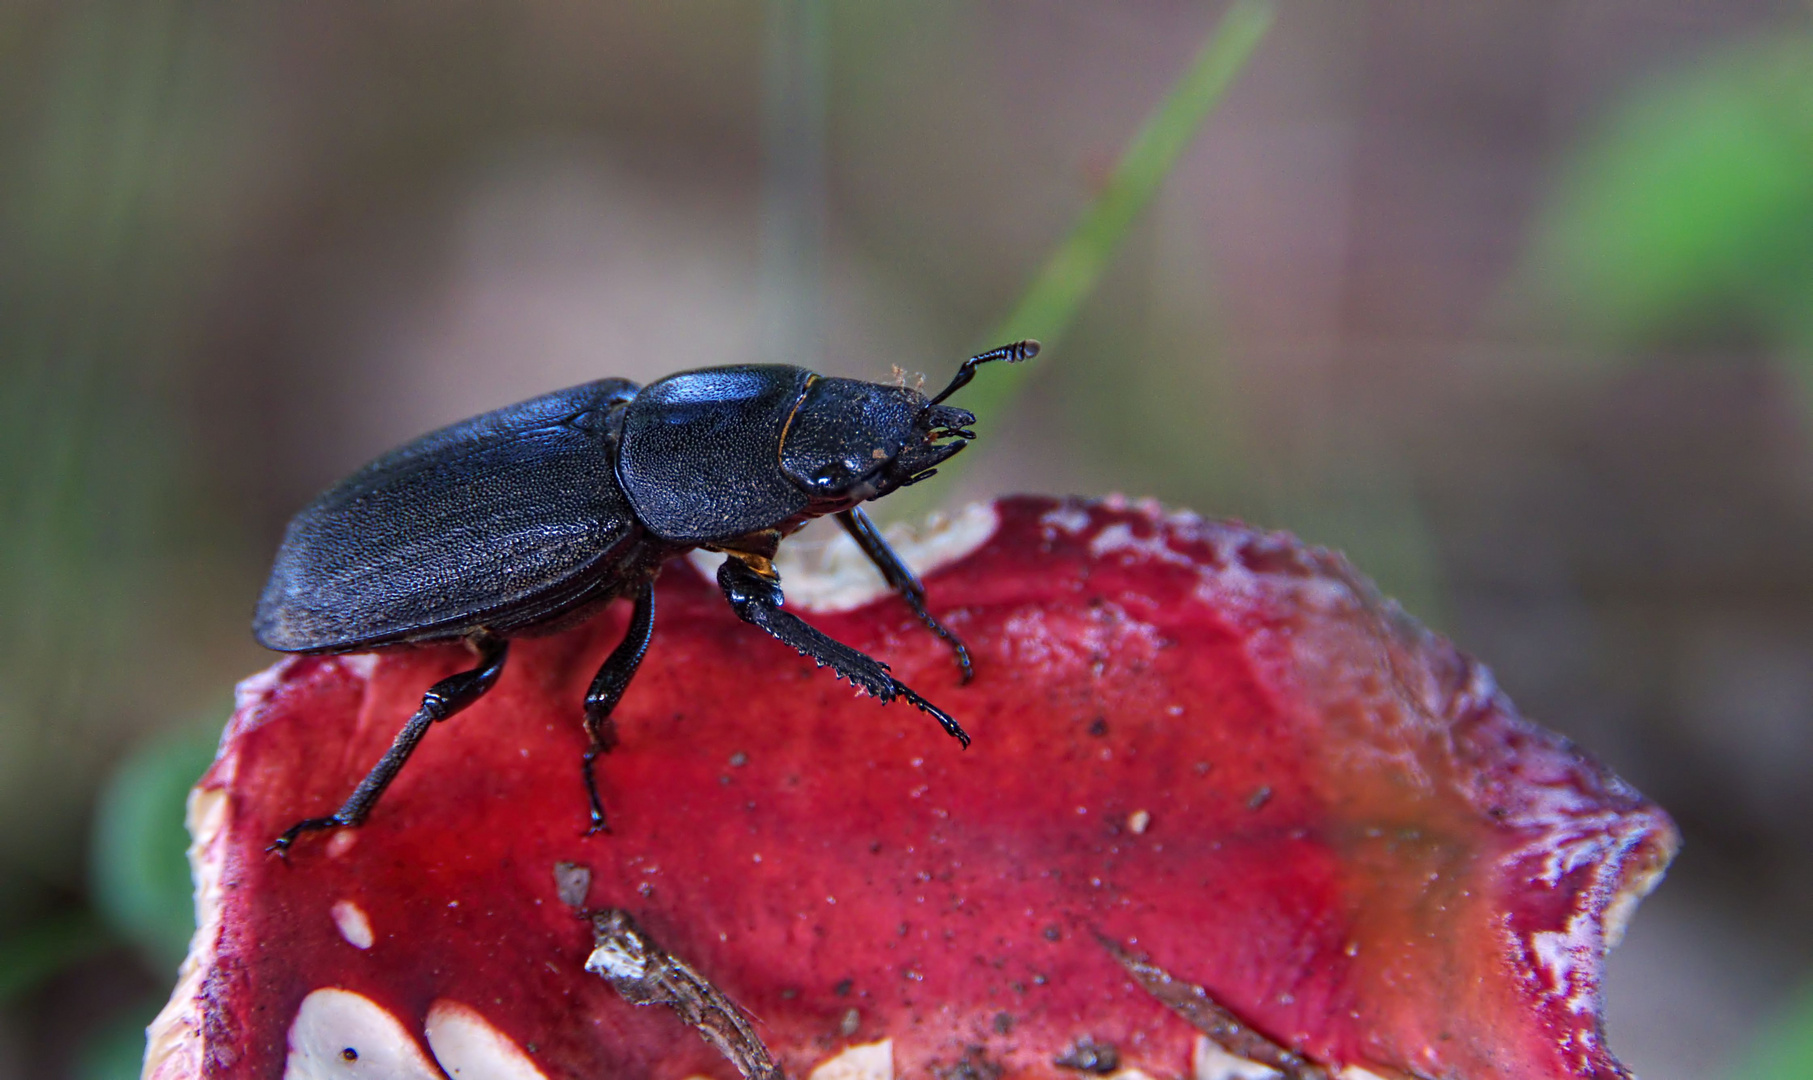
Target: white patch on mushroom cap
[361,665]
[824,570]
[1211,1062]
[869,1061]
[1354,1072]
[341,842]
[350,920]
[469,1048]
[340,1035]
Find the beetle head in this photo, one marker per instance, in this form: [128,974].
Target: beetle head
[851,441]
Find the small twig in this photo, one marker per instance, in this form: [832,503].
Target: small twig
[1212,1018]
[646,974]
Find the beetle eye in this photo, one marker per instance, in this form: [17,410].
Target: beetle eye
[833,476]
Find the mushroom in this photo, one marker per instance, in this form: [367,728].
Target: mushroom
[1228,813]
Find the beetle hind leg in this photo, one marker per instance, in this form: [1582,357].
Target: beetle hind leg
[901,579]
[607,689]
[442,700]
[757,600]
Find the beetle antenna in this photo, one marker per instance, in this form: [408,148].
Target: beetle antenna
[1013,354]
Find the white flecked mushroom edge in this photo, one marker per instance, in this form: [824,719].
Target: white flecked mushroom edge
[174,1046]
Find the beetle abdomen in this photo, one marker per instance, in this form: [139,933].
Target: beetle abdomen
[494,521]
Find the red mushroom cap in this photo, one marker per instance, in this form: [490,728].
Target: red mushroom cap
[1212,771]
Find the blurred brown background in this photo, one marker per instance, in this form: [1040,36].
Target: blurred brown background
[1415,291]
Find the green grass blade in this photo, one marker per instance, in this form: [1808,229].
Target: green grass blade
[1051,303]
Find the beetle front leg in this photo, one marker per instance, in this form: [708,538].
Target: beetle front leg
[442,700]
[757,600]
[901,579]
[607,689]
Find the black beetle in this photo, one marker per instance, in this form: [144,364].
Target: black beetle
[533,517]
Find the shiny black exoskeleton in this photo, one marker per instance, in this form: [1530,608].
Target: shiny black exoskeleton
[535,516]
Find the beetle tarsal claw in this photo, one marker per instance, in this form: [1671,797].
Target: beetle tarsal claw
[644,973]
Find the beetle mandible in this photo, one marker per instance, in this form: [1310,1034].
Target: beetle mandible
[535,516]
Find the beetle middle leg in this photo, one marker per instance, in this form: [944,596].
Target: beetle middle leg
[757,599]
[607,689]
[901,579]
[442,700]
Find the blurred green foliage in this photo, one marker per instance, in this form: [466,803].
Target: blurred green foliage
[106,175]
[105,536]
[1685,225]
[139,869]
[118,1053]
[1689,218]
[1786,1050]
[140,887]
[41,949]
[139,878]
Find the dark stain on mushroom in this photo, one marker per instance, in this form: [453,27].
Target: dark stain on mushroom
[974,1066]
[1087,1055]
